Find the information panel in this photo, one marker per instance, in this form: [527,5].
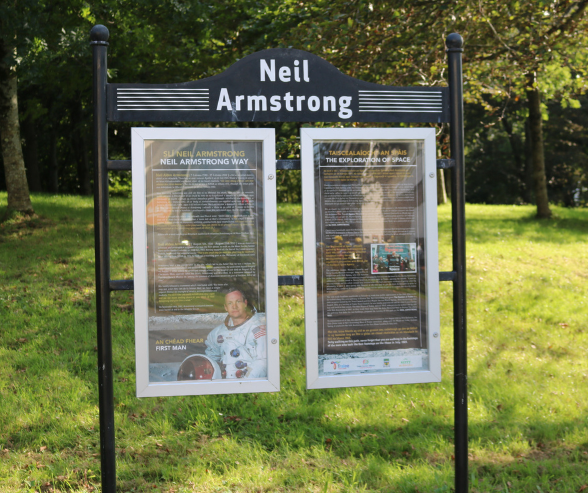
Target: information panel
[370,256]
[204,234]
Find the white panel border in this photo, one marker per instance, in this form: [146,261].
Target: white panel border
[307,138]
[152,389]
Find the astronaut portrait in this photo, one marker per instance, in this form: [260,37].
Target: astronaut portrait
[239,344]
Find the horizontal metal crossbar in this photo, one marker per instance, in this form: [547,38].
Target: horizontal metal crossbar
[126,285]
[119,165]
[290,280]
[296,280]
[288,164]
[447,276]
[284,164]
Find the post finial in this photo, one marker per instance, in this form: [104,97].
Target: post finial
[454,42]
[99,35]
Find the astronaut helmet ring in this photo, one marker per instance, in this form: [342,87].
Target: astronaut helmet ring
[199,367]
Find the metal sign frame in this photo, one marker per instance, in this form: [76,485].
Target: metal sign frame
[450,109]
[428,180]
[271,383]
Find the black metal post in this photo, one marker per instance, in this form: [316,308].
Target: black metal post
[454,44]
[99,37]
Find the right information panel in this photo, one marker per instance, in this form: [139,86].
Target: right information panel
[373,258]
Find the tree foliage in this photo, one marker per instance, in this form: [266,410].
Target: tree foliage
[516,52]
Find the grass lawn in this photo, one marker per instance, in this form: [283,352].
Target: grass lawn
[528,374]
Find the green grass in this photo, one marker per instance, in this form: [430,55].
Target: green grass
[528,374]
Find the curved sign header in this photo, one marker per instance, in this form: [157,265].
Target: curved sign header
[278,85]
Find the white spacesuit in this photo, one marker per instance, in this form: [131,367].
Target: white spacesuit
[241,348]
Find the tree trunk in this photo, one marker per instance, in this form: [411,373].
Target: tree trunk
[441,190]
[448,185]
[536,134]
[528,165]
[31,155]
[81,149]
[53,164]
[516,147]
[14,168]
[442,149]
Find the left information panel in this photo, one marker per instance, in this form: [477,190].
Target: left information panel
[204,242]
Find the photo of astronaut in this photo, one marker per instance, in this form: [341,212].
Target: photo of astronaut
[236,348]
[230,345]
[239,344]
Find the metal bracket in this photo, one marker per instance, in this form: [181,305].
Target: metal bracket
[119,165]
[290,280]
[447,276]
[126,285]
[288,164]
[445,163]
